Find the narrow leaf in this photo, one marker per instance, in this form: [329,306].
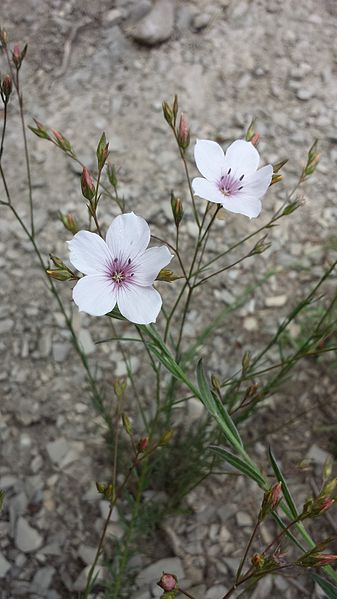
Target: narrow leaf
[285,489]
[239,464]
[329,589]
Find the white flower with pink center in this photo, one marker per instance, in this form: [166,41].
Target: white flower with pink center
[120,270]
[231,179]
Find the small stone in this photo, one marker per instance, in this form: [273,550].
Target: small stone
[201,21]
[60,351]
[250,323]
[6,326]
[215,592]
[45,343]
[157,26]
[36,464]
[243,519]
[305,94]
[86,342]
[4,566]
[81,581]
[195,409]
[57,450]
[318,455]
[276,301]
[27,539]
[42,579]
[87,554]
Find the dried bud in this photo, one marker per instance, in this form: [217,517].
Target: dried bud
[18,55]
[106,489]
[167,275]
[60,275]
[261,246]
[168,114]
[177,209]
[258,561]
[276,179]
[314,559]
[69,222]
[143,444]
[270,500]
[102,152]
[312,161]
[316,506]
[251,391]
[168,582]
[3,38]
[215,383]
[175,108]
[119,385]
[87,184]
[112,175]
[62,141]
[183,133]
[6,87]
[2,500]
[278,165]
[292,207]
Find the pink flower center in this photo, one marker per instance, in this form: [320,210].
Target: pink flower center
[230,185]
[121,271]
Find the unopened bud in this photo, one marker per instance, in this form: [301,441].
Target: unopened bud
[69,222]
[102,151]
[312,161]
[183,133]
[255,139]
[119,385]
[278,165]
[165,438]
[168,114]
[261,246]
[112,175]
[276,179]
[175,108]
[168,582]
[246,360]
[60,274]
[177,209]
[215,382]
[3,38]
[18,55]
[270,500]
[143,444]
[316,506]
[2,500]
[62,141]
[6,87]
[316,560]
[127,424]
[292,207]
[327,468]
[40,130]
[87,184]
[250,131]
[328,488]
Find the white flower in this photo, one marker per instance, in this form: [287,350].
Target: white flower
[119,270]
[231,179]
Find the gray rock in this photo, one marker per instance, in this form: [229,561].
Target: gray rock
[157,26]
[243,519]
[60,351]
[44,344]
[42,579]
[4,566]
[153,572]
[215,592]
[81,580]
[6,326]
[57,450]
[201,21]
[318,455]
[86,342]
[27,539]
[87,554]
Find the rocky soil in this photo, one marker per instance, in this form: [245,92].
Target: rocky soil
[107,65]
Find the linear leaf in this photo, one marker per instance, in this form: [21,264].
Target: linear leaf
[239,464]
[285,489]
[328,588]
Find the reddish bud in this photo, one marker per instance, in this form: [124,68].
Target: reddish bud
[18,55]
[69,222]
[168,582]
[177,209]
[258,560]
[143,444]
[270,500]
[3,38]
[102,151]
[87,184]
[6,87]
[183,133]
[255,139]
[62,141]
[316,560]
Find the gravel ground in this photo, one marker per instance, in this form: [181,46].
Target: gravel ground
[96,66]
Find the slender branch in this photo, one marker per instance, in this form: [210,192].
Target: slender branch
[29,178]
[251,538]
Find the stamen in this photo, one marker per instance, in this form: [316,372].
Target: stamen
[241,177]
[229,171]
[129,261]
[240,187]
[115,259]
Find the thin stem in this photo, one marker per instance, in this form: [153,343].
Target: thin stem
[23,126]
[238,574]
[3,131]
[186,593]
[98,552]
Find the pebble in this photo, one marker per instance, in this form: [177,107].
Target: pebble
[60,351]
[57,450]
[318,455]
[215,592]
[250,323]
[27,539]
[42,579]
[81,580]
[5,566]
[87,554]
[201,21]
[6,326]
[86,342]
[157,26]
[276,301]
[243,519]
[305,94]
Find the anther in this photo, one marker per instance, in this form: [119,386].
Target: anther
[229,170]
[129,261]
[240,188]
[241,177]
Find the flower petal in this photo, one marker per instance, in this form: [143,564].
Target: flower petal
[139,304]
[128,236]
[243,204]
[95,295]
[209,158]
[89,253]
[147,265]
[257,183]
[207,190]
[242,158]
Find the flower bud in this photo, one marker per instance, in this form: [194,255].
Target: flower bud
[175,108]
[215,383]
[102,152]
[316,560]
[40,130]
[251,130]
[183,133]
[316,506]
[292,207]
[258,561]
[328,487]
[168,114]
[18,55]
[165,438]
[68,222]
[62,141]
[127,424]
[87,184]
[246,360]
[261,246]
[59,274]
[255,139]
[278,165]
[177,209]
[168,582]
[112,176]
[143,444]
[167,275]
[3,38]
[119,385]
[276,179]
[270,500]
[7,87]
